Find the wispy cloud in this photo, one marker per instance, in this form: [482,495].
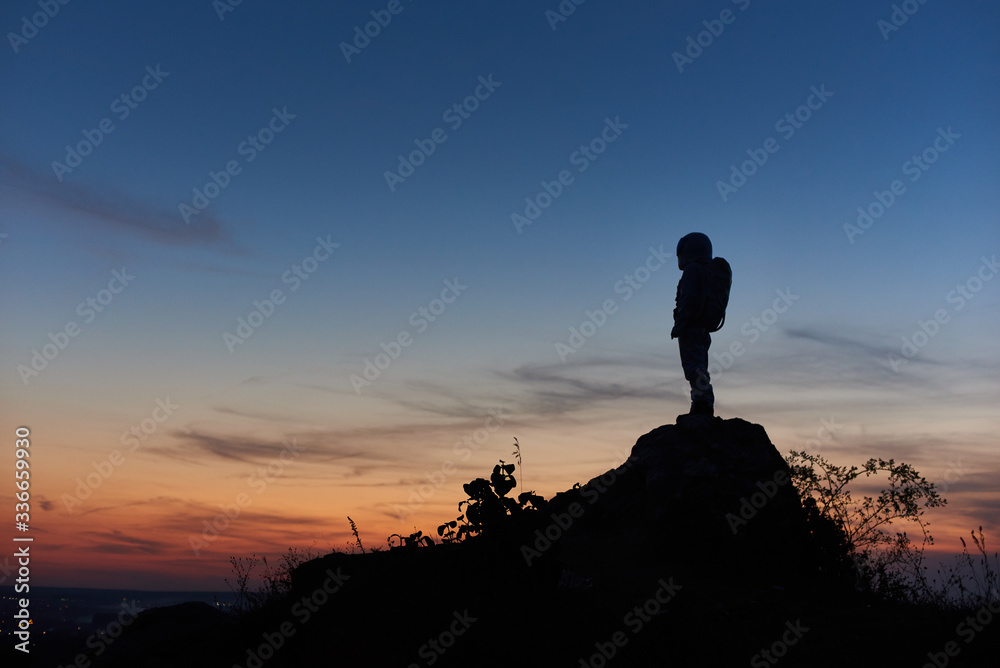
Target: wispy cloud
[563,388]
[117,212]
[847,344]
[349,448]
[232,448]
[542,390]
[117,542]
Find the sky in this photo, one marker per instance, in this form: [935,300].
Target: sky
[270,265]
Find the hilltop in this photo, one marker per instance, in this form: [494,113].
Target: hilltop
[696,549]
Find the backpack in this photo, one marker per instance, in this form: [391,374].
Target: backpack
[718,281]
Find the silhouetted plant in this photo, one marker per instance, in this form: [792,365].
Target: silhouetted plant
[415,539]
[354,528]
[275,581]
[242,569]
[968,585]
[888,563]
[517,458]
[984,585]
[447,531]
[488,510]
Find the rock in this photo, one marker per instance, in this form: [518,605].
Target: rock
[711,494]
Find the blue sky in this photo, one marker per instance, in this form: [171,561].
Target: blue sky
[888,96]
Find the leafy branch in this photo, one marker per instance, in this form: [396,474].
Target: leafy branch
[881,556]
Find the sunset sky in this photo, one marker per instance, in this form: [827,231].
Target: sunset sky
[210,221]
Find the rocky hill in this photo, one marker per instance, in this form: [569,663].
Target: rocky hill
[696,550]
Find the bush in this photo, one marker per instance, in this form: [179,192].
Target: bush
[488,510]
[887,562]
[274,582]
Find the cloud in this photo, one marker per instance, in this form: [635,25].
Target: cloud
[355,450]
[446,401]
[237,449]
[544,390]
[174,514]
[116,211]
[847,344]
[116,542]
[556,389]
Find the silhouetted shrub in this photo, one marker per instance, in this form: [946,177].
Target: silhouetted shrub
[274,582]
[415,539]
[488,510]
[887,563]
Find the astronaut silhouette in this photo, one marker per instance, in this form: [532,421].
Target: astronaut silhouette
[694,292]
